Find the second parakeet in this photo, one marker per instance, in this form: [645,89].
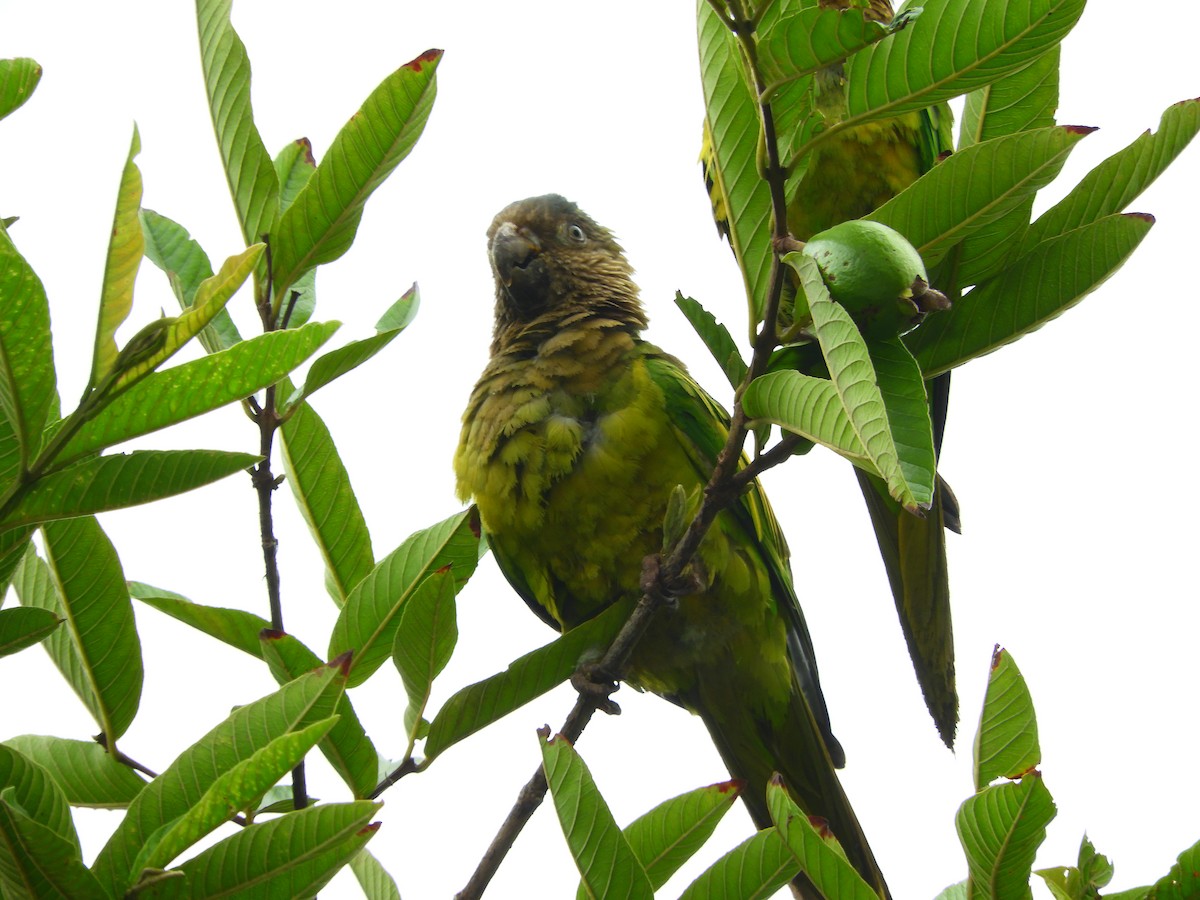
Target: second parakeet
[848,176]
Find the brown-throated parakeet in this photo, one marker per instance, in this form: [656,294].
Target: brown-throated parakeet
[848,176]
[572,442]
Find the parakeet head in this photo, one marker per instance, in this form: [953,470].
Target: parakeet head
[552,261]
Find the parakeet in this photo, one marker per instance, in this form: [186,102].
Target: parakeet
[849,176]
[572,442]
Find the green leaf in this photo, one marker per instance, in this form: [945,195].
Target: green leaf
[248,167]
[1041,285]
[373,878]
[292,856]
[13,544]
[297,705]
[808,406]
[1001,828]
[210,298]
[802,41]
[956,891]
[27,383]
[347,746]
[732,122]
[667,836]
[87,774]
[321,487]
[196,387]
[955,47]
[605,861]
[172,249]
[121,480]
[237,788]
[1183,881]
[97,650]
[1006,744]
[24,626]
[36,862]
[1115,183]
[821,859]
[294,165]
[425,639]
[186,265]
[526,678]
[1023,101]
[338,362]
[902,388]
[716,338]
[235,627]
[753,870]
[974,187]
[400,314]
[120,267]
[320,225]
[367,623]
[18,78]
[31,787]
[853,374]
[1081,882]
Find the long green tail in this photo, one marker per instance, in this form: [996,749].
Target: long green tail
[754,747]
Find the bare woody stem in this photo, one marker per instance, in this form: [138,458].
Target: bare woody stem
[663,579]
[266,417]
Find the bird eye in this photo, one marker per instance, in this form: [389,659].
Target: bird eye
[576,234]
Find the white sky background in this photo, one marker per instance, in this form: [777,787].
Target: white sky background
[1072,452]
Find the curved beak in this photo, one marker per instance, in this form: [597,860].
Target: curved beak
[512,249]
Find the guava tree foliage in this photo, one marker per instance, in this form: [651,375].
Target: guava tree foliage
[57,472]
[821,368]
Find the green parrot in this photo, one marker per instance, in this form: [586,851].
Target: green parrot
[573,440]
[849,176]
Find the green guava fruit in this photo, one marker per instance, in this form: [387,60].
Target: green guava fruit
[877,275]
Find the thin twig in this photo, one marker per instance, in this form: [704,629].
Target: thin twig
[264,485]
[405,768]
[124,760]
[266,417]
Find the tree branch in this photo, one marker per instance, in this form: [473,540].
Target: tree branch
[266,417]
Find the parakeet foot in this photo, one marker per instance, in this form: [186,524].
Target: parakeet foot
[668,591]
[591,681]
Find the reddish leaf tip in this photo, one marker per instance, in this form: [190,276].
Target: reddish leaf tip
[429,56]
[820,825]
[342,662]
[1080,129]
[734,785]
[370,829]
[997,652]
[442,570]
[1145,217]
[544,732]
[306,145]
